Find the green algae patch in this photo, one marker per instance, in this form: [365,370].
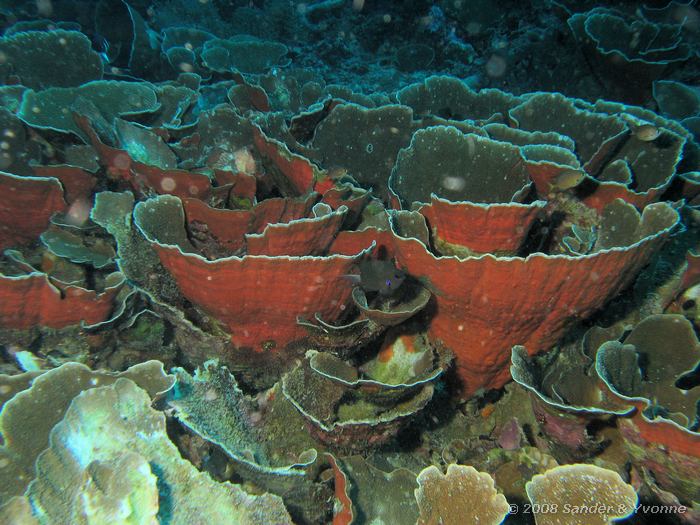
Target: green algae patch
[264,437]
[211,404]
[404,359]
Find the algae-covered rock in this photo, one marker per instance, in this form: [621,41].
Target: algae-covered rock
[346,412]
[263,437]
[378,496]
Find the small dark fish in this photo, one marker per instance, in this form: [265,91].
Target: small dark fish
[101,45]
[380,276]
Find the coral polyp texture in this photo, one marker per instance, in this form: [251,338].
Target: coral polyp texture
[349,263]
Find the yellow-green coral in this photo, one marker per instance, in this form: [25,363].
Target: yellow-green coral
[27,418]
[110,461]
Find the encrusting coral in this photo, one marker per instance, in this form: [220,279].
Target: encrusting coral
[569,493]
[53,392]
[461,495]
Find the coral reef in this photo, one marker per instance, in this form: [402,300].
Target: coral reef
[349,262]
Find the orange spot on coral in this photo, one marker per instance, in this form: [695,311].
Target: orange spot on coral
[408,345]
[488,410]
[385,354]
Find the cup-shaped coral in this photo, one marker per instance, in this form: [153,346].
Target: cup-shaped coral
[628,53]
[483,304]
[653,369]
[565,397]
[257,297]
[347,411]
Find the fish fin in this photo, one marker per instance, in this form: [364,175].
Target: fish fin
[353,278]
